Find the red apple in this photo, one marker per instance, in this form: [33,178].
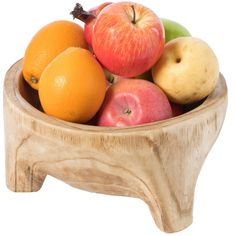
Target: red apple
[128,38]
[133,102]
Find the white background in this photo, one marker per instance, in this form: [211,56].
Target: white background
[58,209]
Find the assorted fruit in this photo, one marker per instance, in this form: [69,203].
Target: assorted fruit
[126,67]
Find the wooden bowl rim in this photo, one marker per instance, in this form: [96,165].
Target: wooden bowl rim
[11,89]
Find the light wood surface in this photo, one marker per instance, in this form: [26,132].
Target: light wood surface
[158,162]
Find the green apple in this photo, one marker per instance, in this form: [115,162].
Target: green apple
[174,30]
[188,70]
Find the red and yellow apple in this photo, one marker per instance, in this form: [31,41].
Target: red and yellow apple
[133,102]
[127,38]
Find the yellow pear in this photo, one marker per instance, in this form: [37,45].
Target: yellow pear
[187,71]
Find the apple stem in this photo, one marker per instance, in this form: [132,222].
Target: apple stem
[82,15]
[134,15]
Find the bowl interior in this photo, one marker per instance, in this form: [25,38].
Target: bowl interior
[31,96]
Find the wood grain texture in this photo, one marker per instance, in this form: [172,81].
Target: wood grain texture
[158,162]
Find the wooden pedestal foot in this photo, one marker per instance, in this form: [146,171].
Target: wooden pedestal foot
[22,175]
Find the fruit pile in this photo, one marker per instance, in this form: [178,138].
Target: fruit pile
[126,67]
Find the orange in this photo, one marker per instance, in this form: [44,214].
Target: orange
[73,86]
[47,43]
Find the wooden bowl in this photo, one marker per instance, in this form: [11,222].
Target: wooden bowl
[157,162]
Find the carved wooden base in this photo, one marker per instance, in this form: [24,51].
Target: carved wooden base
[157,162]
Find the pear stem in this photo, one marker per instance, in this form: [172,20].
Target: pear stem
[82,15]
[134,15]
